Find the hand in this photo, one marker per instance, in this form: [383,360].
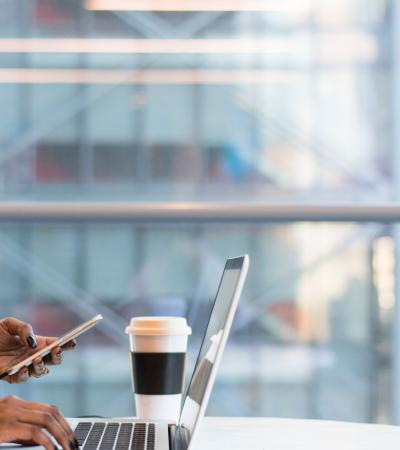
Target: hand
[17,342]
[27,423]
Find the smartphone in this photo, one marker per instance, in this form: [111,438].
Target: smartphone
[57,343]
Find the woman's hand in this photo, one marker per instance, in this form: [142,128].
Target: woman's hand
[17,342]
[27,423]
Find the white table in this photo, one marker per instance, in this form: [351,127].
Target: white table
[220,433]
[251,433]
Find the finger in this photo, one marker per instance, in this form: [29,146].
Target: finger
[44,341]
[46,371]
[56,356]
[54,411]
[38,368]
[47,421]
[20,377]
[70,345]
[21,329]
[30,433]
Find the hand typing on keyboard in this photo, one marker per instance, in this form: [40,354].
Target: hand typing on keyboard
[34,423]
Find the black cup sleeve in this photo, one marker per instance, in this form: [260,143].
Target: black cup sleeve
[158,373]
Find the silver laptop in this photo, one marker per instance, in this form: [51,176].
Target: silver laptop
[129,434]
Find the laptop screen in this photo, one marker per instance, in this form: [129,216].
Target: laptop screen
[214,338]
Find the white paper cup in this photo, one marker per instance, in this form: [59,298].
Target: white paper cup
[158,356]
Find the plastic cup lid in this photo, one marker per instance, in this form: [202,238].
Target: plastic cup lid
[162,326]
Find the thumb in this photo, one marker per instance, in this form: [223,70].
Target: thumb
[21,329]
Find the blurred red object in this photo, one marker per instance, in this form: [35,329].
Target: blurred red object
[50,319]
[287,313]
[45,13]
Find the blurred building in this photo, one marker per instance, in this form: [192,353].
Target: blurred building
[288,103]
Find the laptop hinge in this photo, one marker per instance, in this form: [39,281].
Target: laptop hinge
[178,437]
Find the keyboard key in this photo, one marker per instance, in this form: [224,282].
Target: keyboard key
[124,436]
[109,436]
[139,436]
[94,437]
[81,431]
[151,432]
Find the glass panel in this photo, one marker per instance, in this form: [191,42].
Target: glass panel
[311,337]
[266,106]
[111,118]
[287,103]
[111,253]
[55,260]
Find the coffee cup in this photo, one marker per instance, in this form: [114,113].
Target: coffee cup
[158,356]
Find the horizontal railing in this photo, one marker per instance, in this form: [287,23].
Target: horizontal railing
[198,212]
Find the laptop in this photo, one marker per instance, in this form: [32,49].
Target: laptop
[130,434]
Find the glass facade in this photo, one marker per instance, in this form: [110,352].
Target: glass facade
[292,103]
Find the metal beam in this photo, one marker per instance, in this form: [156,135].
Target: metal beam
[394,15]
[198,212]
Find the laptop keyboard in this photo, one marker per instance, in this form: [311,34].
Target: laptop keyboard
[115,436]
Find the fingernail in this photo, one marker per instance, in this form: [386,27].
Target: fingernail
[24,373]
[31,341]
